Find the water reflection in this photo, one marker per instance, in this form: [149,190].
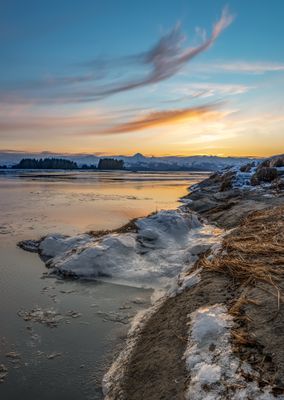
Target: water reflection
[33,205]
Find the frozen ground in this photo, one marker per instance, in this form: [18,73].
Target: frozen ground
[214,370]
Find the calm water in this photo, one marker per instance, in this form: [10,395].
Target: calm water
[67,362]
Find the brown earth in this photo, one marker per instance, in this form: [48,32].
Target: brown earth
[248,277]
[156,369]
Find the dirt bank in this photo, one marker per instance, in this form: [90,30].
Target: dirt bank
[247,276]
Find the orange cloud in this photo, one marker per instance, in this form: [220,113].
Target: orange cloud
[159,118]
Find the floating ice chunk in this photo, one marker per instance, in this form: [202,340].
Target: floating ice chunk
[151,257]
[97,259]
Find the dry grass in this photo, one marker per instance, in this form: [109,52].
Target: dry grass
[253,256]
[255,250]
[129,227]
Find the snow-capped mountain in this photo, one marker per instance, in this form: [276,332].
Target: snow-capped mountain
[136,162]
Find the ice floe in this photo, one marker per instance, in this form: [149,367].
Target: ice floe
[162,246]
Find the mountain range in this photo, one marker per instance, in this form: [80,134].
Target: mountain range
[136,162]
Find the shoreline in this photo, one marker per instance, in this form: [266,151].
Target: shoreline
[152,365]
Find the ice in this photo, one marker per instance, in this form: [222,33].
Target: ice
[208,374]
[165,228]
[242,180]
[162,247]
[209,323]
[214,370]
[56,244]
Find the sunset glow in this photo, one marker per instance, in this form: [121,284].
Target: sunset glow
[162,79]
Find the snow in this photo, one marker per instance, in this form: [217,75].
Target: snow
[165,244]
[56,244]
[242,180]
[215,371]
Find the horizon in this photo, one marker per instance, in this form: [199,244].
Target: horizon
[104,154]
[165,77]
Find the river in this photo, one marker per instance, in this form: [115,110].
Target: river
[67,361]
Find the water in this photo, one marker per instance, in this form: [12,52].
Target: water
[33,204]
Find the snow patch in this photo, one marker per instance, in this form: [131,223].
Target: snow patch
[215,371]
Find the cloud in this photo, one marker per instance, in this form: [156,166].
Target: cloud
[245,67]
[165,59]
[206,89]
[160,118]
[168,56]
[25,119]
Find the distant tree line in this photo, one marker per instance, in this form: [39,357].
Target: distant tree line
[88,166]
[110,163]
[46,163]
[61,163]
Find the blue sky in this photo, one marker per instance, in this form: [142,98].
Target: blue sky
[92,76]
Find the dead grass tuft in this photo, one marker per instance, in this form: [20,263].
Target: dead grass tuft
[254,251]
[129,227]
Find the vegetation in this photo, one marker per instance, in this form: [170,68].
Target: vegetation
[110,163]
[91,166]
[46,163]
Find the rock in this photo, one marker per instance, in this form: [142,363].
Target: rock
[229,194]
[247,167]
[227,181]
[277,162]
[278,184]
[203,204]
[216,177]
[264,174]
[264,164]
[274,162]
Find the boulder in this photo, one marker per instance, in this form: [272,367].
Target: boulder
[264,174]
[247,167]
[277,162]
[274,162]
[227,181]
[278,184]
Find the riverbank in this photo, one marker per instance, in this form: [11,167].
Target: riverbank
[220,338]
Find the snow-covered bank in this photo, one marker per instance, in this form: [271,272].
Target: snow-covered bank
[214,370]
[161,246]
[188,345]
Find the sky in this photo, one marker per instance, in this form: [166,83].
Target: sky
[182,77]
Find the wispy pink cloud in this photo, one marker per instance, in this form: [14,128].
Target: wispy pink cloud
[162,118]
